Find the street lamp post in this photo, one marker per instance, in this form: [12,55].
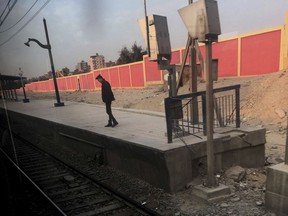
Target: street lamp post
[48,46]
[25,100]
[147,30]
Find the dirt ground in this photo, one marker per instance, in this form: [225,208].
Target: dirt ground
[264,103]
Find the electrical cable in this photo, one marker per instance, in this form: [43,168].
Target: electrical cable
[5,9]
[20,18]
[25,24]
[9,10]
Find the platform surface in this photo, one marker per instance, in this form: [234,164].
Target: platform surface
[138,126]
[137,145]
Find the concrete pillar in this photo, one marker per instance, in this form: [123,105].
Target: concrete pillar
[276,196]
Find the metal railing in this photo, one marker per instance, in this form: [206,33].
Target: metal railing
[182,121]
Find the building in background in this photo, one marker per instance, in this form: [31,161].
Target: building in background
[97,61]
[110,64]
[82,67]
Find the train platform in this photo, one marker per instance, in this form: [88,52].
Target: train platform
[138,145]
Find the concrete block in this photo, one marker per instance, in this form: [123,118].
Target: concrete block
[277,179]
[253,156]
[277,203]
[276,196]
[255,137]
[213,193]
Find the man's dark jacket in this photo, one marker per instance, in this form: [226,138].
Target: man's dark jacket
[107,94]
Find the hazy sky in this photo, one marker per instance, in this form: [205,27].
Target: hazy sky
[79,29]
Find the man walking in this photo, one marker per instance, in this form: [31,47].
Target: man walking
[107,98]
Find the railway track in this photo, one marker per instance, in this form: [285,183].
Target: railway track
[68,190]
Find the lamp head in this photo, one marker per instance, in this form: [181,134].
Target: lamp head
[27,44]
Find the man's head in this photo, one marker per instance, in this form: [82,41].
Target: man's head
[99,78]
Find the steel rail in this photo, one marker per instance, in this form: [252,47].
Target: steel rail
[108,189]
[33,183]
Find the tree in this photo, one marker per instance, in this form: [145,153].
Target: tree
[65,71]
[137,54]
[128,56]
[124,57]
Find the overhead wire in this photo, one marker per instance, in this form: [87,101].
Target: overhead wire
[20,18]
[9,10]
[25,23]
[5,9]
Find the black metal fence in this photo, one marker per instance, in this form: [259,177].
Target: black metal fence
[186,114]
[8,86]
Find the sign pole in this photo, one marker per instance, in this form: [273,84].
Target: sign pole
[211,181]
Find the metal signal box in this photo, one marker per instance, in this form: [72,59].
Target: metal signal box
[160,47]
[202,20]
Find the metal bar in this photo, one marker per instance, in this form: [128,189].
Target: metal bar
[193,72]
[183,128]
[202,117]
[204,114]
[15,93]
[199,93]
[10,90]
[237,101]
[286,154]
[223,107]
[233,107]
[226,109]
[189,40]
[229,107]
[168,119]
[199,54]
[218,111]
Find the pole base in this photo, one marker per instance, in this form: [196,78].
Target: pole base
[59,104]
[26,100]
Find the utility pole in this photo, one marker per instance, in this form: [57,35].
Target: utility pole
[147,30]
[193,80]
[59,103]
[48,47]
[211,181]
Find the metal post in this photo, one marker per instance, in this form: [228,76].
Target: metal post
[237,99]
[193,81]
[52,68]
[286,154]
[15,93]
[211,181]
[168,119]
[204,114]
[10,90]
[147,30]
[25,100]
[173,80]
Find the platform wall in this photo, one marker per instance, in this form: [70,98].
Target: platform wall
[250,54]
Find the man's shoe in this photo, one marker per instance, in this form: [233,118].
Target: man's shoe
[109,124]
[114,124]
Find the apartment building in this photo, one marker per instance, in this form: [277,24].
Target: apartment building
[82,66]
[97,61]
